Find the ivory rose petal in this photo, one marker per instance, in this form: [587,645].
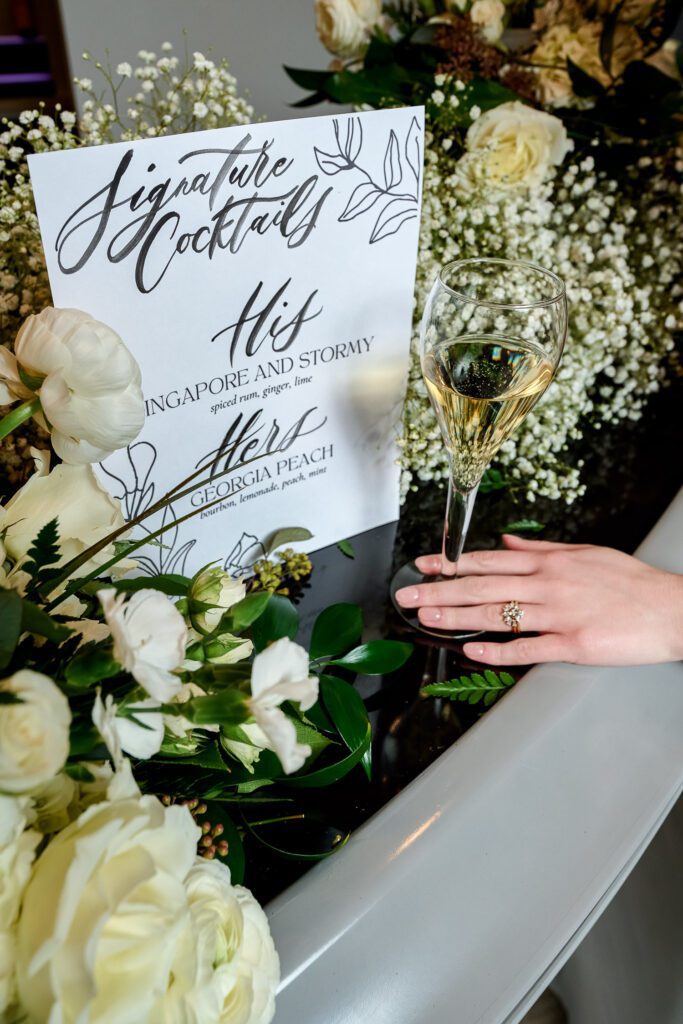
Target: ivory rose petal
[344,26]
[34,733]
[87,380]
[149,636]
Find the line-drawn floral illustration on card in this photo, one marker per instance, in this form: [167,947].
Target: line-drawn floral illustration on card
[392,205]
[246,551]
[135,490]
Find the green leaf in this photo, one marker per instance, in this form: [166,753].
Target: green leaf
[168,583]
[44,550]
[523,526]
[79,773]
[346,548]
[308,79]
[347,710]
[245,612]
[208,757]
[306,733]
[335,629]
[225,708]
[376,657]
[279,619]
[287,535]
[331,773]
[292,835]
[492,480]
[92,664]
[10,625]
[35,620]
[472,689]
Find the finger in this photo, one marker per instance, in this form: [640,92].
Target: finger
[484,563]
[489,617]
[514,543]
[430,565]
[526,651]
[472,590]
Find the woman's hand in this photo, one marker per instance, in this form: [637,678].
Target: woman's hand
[590,605]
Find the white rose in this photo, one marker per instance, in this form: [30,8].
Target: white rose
[87,381]
[17,850]
[344,26]
[34,734]
[213,586]
[149,639]
[105,932]
[238,969]
[85,512]
[488,16]
[513,146]
[278,674]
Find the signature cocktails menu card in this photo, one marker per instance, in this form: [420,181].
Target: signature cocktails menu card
[263,278]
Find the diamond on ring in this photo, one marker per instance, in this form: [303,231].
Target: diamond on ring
[511,614]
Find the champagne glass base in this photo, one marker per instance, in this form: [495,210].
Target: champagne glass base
[410,576]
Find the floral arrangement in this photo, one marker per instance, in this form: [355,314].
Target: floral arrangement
[551,136]
[141,720]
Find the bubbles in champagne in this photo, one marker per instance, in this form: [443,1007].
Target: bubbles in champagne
[481,388]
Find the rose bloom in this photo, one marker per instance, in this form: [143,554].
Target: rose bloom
[122,922]
[17,850]
[344,26]
[213,586]
[488,16]
[513,146]
[84,510]
[87,380]
[34,733]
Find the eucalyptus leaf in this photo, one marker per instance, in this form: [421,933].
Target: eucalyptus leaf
[376,657]
[335,629]
[280,619]
[287,535]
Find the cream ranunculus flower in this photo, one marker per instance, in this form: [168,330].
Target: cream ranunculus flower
[87,381]
[34,734]
[278,674]
[238,968]
[149,639]
[105,932]
[17,850]
[213,586]
[513,146]
[344,26]
[85,512]
[488,16]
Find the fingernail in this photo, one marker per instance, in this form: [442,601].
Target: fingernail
[473,650]
[430,614]
[408,596]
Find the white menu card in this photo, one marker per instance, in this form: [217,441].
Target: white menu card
[263,278]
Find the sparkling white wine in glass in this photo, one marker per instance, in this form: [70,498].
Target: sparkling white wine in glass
[481,389]
[492,336]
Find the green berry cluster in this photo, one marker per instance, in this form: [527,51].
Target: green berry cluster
[274,574]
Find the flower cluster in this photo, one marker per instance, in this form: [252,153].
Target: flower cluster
[110,683]
[588,187]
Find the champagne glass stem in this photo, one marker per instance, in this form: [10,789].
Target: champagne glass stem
[459,508]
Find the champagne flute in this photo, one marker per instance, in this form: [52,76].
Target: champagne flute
[491,339]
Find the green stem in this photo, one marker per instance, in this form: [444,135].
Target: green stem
[276,821]
[18,416]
